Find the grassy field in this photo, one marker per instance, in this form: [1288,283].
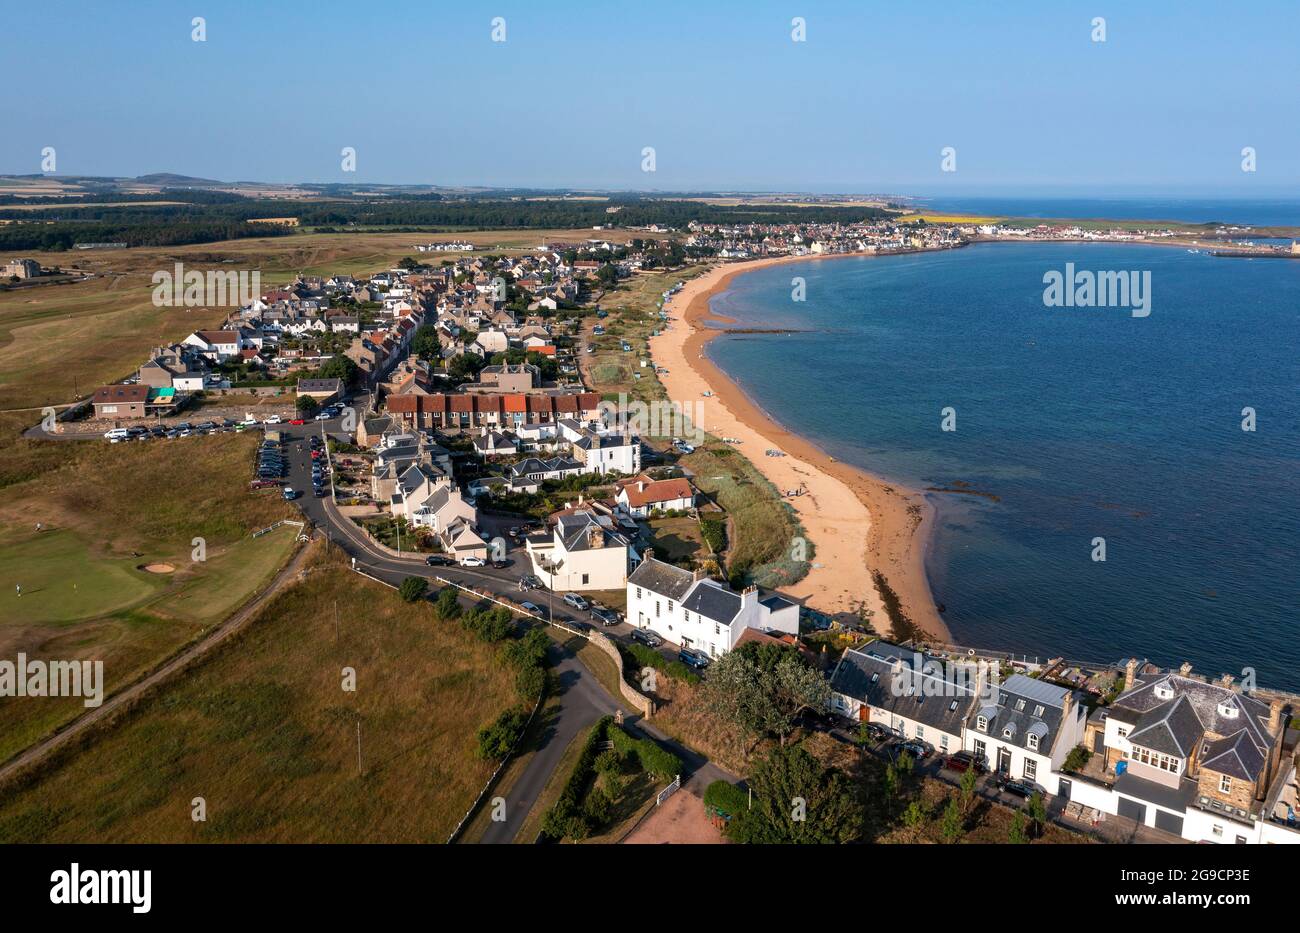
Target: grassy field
[107,511]
[264,733]
[676,539]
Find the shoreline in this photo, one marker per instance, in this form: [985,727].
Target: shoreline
[859,523]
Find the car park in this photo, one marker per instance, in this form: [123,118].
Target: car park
[576,601]
[693,659]
[647,637]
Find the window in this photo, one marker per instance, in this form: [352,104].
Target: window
[979,750]
[1032,741]
[585,579]
[686,616]
[1031,769]
[981,724]
[875,677]
[717,629]
[638,592]
[1038,711]
[943,742]
[656,608]
[670,607]
[920,731]
[1217,830]
[1008,732]
[952,706]
[1020,705]
[1121,732]
[1225,784]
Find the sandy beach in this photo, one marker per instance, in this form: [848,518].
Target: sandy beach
[856,521]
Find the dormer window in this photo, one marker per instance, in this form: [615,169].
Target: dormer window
[1008,732]
[982,724]
[875,677]
[1228,710]
[1225,784]
[952,707]
[1020,705]
[1164,691]
[1032,741]
[1038,711]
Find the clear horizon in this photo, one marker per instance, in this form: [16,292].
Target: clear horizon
[867,104]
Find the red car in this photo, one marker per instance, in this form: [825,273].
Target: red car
[964,761]
[298,421]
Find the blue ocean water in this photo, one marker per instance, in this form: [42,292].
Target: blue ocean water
[1249,211]
[1084,422]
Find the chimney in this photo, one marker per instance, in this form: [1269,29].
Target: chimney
[1275,717]
[1067,704]
[1130,673]
[597,537]
[1186,668]
[648,554]
[1226,681]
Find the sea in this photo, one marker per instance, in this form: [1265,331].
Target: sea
[1274,212]
[1113,501]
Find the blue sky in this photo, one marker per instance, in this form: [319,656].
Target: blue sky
[719,90]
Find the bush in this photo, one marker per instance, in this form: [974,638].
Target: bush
[530,682]
[644,656]
[1077,759]
[726,798]
[597,807]
[609,762]
[491,625]
[447,604]
[714,532]
[413,589]
[496,740]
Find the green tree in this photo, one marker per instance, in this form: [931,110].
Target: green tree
[413,589]
[340,367]
[447,604]
[1016,835]
[306,406]
[798,800]
[1037,812]
[969,779]
[425,343]
[497,739]
[950,827]
[762,688]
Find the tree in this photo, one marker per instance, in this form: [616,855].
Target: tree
[1016,835]
[607,275]
[340,367]
[413,589]
[761,688]
[1037,811]
[465,367]
[447,605]
[969,779]
[306,405]
[950,827]
[425,343]
[497,739]
[798,800]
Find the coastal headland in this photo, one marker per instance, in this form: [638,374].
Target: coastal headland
[865,530]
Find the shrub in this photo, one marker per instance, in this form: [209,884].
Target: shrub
[496,740]
[1077,759]
[726,798]
[609,762]
[447,604]
[413,589]
[530,682]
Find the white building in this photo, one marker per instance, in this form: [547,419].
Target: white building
[584,553]
[697,612]
[1027,730]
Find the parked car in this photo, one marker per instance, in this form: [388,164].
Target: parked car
[693,659]
[439,560]
[290,493]
[319,492]
[117,434]
[529,582]
[502,563]
[606,616]
[473,562]
[917,749]
[274,419]
[298,421]
[574,624]
[647,637]
[1012,786]
[576,601]
[961,762]
[532,608]
[879,733]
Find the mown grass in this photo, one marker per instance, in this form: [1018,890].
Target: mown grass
[264,732]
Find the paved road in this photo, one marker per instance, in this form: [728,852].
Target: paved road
[582,700]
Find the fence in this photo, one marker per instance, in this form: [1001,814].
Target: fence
[275,525]
[496,774]
[668,791]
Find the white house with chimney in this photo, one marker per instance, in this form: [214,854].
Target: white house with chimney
[697,612]
[584,552]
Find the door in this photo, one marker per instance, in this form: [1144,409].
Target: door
[1169,822]
[1063,791]
[864,713]
[1133,810]
[1099,742]
[1004,761]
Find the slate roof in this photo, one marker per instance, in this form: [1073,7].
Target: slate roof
[1024,707]
[714,602]
[665,579]
[887,677]
[576,530]
[1191,709]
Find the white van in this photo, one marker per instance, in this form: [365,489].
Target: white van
[117,434]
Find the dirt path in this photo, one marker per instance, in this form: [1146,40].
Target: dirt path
[35,754]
